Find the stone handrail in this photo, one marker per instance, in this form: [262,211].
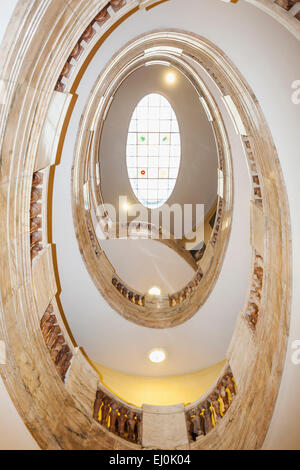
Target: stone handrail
[255,180]
[60,352]
[134,297]
[289,5]
[118,417]
[126,421]
[203,416]
[253,306]
[35,214]
[83,43]
[186,293]
[217,224]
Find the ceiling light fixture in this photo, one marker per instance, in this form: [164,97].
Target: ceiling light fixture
[170,77]
[154,291]
[157,355]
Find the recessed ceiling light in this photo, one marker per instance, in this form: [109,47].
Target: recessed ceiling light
[154,291]
[157,355]
[170,77]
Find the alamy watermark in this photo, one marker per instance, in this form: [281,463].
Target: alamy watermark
[136,221]
[296,94]
[296,354]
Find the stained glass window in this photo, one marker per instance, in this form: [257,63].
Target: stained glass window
[153,150]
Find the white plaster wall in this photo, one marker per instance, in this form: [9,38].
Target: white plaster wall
[7,9]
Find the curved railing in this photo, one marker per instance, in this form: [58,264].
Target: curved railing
[36,236]
[59,350]
[83,44]
[252,311]
[186,293]
[293,7]
[204,415]
[128,293]
[117,416]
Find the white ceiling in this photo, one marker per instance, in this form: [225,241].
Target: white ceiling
[143,264]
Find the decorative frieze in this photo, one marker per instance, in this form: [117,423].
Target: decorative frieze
[84,40]
[36,214]
[286,4]
[290,7]
[133,297]
[60,352]
[198,254]
[204,416]
[117,4]
[256,185]
[93,239]
[179,297]
[217,224]
[254,301]
[118,418]
[102,17]
[175,299]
